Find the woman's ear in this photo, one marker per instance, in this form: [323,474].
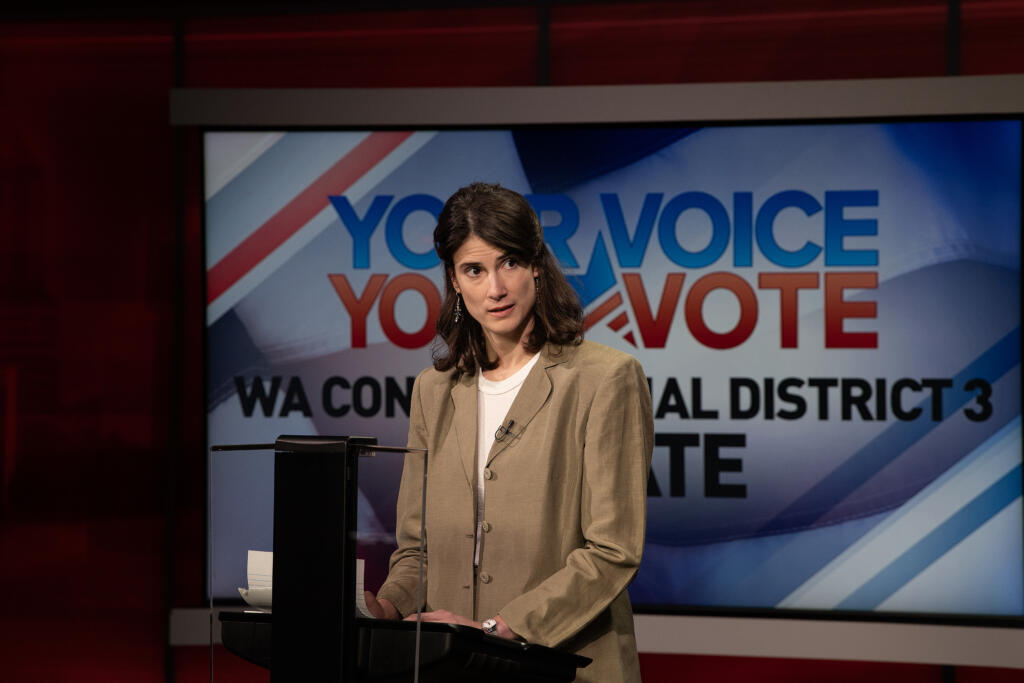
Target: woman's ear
[451,276]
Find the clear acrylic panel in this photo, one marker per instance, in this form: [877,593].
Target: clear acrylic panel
[241,533]
[240,519]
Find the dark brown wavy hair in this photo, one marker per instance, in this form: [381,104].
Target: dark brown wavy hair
[504,219]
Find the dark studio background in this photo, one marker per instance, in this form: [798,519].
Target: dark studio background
[101,309]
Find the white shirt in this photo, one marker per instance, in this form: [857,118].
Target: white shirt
[494,398]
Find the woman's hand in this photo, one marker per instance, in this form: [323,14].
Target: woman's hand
[380,609]
[445,617]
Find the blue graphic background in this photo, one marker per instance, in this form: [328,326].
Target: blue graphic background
[851,514]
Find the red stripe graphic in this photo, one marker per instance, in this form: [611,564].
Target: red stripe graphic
[299,211]
[606,307]
[620,321]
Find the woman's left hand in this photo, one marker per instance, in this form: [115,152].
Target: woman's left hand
[445,617]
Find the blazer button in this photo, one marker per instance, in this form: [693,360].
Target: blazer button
[486,526]
[484,577]
[488,474]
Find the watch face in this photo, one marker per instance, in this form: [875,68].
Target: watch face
[490,626]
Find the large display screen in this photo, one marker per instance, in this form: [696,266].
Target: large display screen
[828,314]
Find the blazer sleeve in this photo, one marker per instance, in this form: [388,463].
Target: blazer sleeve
[404,570]
[619,438]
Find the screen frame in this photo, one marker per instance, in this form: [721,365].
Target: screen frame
[799,102]
[791,101]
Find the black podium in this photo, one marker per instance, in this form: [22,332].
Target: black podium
[312,634]
[384,652]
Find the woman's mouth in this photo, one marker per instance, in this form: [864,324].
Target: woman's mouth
[501,311]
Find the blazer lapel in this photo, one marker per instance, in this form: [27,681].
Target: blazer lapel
[464,397]
[531,397]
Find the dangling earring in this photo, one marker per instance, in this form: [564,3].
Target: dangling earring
[458,307]
[536,283]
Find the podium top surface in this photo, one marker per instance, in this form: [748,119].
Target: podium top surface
[467,634]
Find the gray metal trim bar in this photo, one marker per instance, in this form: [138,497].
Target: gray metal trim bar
[762,101]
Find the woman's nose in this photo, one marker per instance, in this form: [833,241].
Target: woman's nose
[497,288]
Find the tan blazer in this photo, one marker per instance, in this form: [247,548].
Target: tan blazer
[565,498]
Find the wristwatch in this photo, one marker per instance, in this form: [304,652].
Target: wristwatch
[490,627]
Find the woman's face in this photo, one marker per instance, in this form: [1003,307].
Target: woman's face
[497,290]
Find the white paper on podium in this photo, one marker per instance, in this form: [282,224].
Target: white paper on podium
[260,576]
[361,609]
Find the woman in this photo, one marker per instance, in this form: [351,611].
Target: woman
[539,447]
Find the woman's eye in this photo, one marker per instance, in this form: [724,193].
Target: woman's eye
[511,263]
[473,271]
